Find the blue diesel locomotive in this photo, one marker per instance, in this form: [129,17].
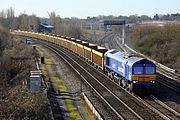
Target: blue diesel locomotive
[134,73]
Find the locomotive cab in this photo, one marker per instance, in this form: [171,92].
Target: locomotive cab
[143,75]
[134,73]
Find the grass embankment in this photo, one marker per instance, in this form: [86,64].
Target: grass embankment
[70,106]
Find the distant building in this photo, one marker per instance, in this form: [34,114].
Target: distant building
[158,23]
[45,27]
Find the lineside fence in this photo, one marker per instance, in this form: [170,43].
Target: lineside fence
[158,64]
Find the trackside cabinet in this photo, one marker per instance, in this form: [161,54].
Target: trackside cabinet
[35,82]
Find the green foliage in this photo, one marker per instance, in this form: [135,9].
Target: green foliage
[161,43]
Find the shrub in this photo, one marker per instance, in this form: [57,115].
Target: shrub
[161,43]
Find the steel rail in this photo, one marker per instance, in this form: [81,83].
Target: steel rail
[115,111]
[148,106]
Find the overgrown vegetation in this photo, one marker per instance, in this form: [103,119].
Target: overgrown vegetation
[19,103]
[4,39]
[14,58]
[161,43]
[16,101]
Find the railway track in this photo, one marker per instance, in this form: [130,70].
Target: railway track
[116,105]
[108,85]
[162,108]
[171,84]
[169,74]
[56,112]
[105,39]
[113,42]
[166,78]
[171,81]
[117,44]
[113,95]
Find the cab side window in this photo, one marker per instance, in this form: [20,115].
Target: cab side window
[107,61]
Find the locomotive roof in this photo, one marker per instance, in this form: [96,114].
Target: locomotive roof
[133,60]
[121,56]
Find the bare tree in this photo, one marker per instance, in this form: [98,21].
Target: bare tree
[68,27]
[23,22]
[52,18]
[29,23]
[6,17]
[33,23]
[4,39]
[10,13]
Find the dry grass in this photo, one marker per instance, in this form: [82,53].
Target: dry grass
[16,101]
[71,108]
[20,103]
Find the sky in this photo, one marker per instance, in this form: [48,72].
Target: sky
[84,8]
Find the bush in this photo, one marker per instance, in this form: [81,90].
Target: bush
[4,39]
[161,43]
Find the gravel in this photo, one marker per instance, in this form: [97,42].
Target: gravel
[72,81]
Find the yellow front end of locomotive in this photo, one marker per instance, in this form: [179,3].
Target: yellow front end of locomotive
[143,78]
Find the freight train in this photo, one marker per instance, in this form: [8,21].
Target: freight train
[133,73]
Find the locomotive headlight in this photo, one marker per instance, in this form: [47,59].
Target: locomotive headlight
[134,81]
[153,81]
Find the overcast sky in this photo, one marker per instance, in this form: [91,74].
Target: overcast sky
[84,8]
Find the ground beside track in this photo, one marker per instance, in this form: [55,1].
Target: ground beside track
[163,93]
[66,82]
